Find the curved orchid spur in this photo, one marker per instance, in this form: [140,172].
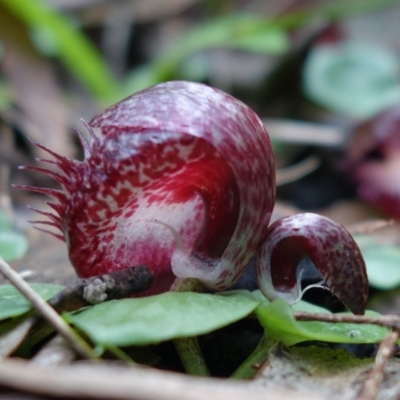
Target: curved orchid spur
[327,244]
[180,177]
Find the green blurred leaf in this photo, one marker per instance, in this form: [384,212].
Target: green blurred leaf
[5,96]
[5,222]
[13,303]
[358,80]
[268,41]
[279,323]
[56,35]
[154,319]
[382,262]
[13,245]
[244,32]
[310,308]
[330,11]
[248,32]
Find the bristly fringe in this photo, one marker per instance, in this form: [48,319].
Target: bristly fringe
[68,168]
[57,194]
[53,217]
[62,179]
[61,237]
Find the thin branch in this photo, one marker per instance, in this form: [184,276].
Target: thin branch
[301,132]
[16,331]
[389,321]
[56,352]
[105,381]
[47,312]
[297,171]
[385,351]
[367,227]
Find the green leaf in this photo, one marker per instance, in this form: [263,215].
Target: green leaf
[57,35]
[13,245]
[244,32]
[310,308]
[5,98]
[13,303]
[382,262]
[358,80]
[279,323]
[5,222]
[268,41]
[330,11]
[154,319]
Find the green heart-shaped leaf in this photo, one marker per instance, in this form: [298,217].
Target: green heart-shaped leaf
[278,320]
[166,316]
[5,222]
[382,262]
[13,303]
[358,80]
[13,245]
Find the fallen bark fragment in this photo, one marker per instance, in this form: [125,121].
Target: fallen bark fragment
[97,289]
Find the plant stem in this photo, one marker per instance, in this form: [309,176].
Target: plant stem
[256,359]
[187,285]
[120,354]
[188,348]
[191,356]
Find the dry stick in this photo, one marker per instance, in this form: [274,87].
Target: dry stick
[82,293]
[385,351]
[367,227]
[56,352]
[105,381]
[297,171]
[47,312]
[389,321]
[98,289]
[12,339]
[386,347]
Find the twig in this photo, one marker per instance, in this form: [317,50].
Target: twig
[105,381]
[389,321]
[16,331]
[367,227]
[56,352]
[81,293]
[371,387]
[297,171]
[47,312]
[305,132]
[97,289]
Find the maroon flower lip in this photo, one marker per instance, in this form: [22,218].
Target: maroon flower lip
[181,178]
